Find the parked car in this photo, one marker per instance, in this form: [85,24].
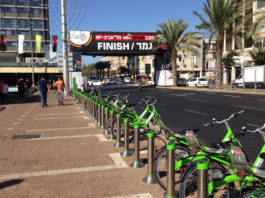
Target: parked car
[110,82]
[96,83]
[197,82]
[239,82]
[127,79]
[182,82]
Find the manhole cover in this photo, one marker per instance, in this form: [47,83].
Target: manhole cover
[26,136]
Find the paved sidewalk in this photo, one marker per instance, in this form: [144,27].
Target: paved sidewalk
[65,156]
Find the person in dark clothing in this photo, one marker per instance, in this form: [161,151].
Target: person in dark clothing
[28,85]
[21,88]
[44,87]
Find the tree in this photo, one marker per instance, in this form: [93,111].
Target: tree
[171,36]
[258,56]
[87,71]
[228,60]
[220,15]
[107,65]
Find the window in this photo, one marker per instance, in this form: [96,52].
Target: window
[8,32]
[23,32]
[7,9]
[22,2]
[37,24]
[36,2]
[11,43]
[26,44]
[260,5]
[36,11]
[7,2]
[22,10]
[8,23]
[23,23]
[38,33]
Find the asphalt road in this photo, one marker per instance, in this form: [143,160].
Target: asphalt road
[185,109]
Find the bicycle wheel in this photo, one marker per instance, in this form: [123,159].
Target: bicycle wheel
[160,165]
[188,186]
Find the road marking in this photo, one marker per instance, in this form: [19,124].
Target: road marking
[232,96]
[81,111]
[210,93]
[197,112]
[144,195]
[102,138]
[19,119]
[85,117]
[119,163]
[196,100]
[51,114]
[183,95]
[253,125]
[10,129]
[26,112]
[245,107]
[15,123]
[262,100]
[57,129]
[23,116]
[52,118]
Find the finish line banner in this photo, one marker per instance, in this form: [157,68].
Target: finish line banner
[111,43]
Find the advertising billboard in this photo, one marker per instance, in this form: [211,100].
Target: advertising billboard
[112,43]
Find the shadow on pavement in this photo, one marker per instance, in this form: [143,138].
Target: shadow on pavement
[9,183]
[13,98]
[2,108]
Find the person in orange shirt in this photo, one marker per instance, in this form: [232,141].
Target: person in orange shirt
[59,93]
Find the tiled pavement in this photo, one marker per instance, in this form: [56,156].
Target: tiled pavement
[70,159]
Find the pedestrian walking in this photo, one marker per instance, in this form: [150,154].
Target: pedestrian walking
[44,87]
[28,86]
[21,88]
[5,93]
[59,93]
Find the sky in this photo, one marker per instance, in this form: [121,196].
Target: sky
[131,16]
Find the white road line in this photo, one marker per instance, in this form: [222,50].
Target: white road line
[52,118]
[85,117]
[19,119]
[262,100]
[245,107]
[62,137]
[10,129]
[102,138]
[26,112]
[57,129]
[51,114]
[15,123]
[182,95]
[197,112]
[81,111]
[210,93]
[23,116]
[144,195]
[119,163]
[232,96]
[196,100]
[253,125]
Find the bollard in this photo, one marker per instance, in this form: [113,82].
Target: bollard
[106,121]
[259,193]
[102,117]
[99,115]
[92,109]
[137,163]
[150,177]
[111,137]
[171,147]
[126,152]
[202,172]
[118,132]
[95,111]
[74,87]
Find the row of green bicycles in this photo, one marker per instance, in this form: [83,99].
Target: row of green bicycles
[229,172]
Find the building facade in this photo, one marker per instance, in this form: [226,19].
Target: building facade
[28,18]
[243,45]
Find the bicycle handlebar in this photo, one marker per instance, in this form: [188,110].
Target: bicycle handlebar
[257,130]
[224,120]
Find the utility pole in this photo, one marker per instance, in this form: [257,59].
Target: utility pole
[65,52]
[31,37]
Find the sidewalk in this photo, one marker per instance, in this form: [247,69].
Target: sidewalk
[63,154]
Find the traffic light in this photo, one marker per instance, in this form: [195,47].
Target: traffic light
[54,43]
[3,42]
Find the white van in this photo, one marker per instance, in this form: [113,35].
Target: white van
[239,82]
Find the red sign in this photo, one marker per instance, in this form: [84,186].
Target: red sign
[123,37]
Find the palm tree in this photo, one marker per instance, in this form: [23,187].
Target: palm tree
[220,15]
[171,36]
